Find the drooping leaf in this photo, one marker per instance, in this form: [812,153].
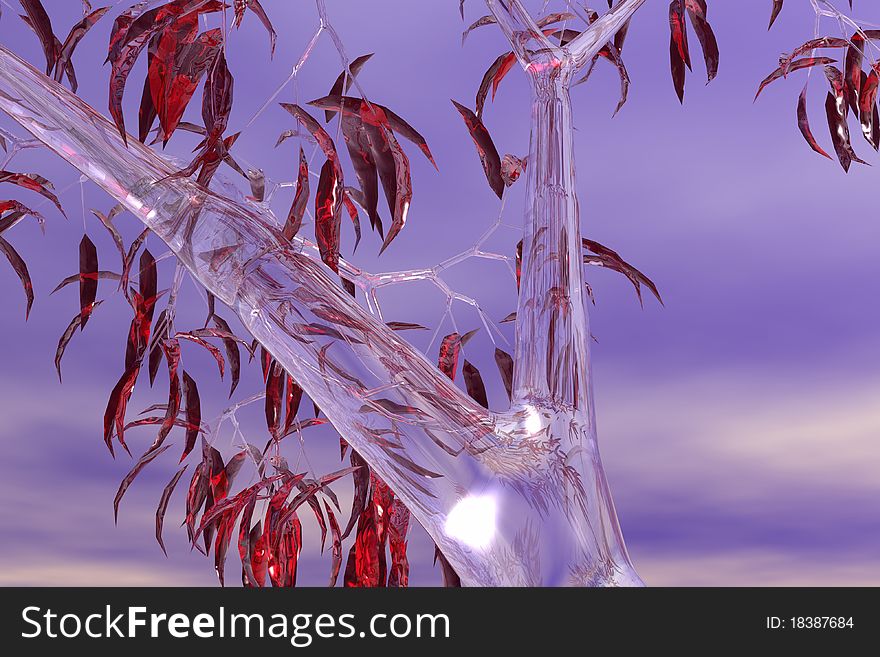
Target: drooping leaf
[679,56]
[76,34]
[114,414]
[33,183]
[796,65]
[328,215]
[777,7]
[40,23]
[868,114]
[20,268]
[254,5]
[804,124]
[163,505]
[145,459]
[193,413]
[344,80]
[232,353]
[489,157]
[697,11]
[504,361]
[605,257]
[66,338]
[473,381]
[88,279]
[300,199]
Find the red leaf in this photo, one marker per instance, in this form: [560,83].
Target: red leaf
[274,390]
[504,361]
[232,353]
[291,405]
[796,65]
[493,76]
[114,414]
[397,527]
[163,505]
[67,336]
[39,21]
[257,8]
[147,457]
[868,109]
[777,7]
[300,199]
[804,124]
[171,349]
[33,183]
[853,71]
[697,11]
[361,478]
[335,546]
[193,413]
[485,149]
[88,279]
[328,207]
[474,384]
[449,349]
[76,34]
[18,264]
[343,79]
[679,57]
[609,259]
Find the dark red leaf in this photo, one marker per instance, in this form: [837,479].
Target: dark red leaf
[193,413]
[163,505]
[504,361]
[274,392]
[868,108]
[796,65]
[33,183]
[697,12]
[450,347]
[147,457]
[345,80]
[77,32]
[605,257]
[474,384]
[493,76]
[335,545]
[361,478]
[485,149]
[679,57]
[171,349]
[853,71]
[21,270]
[39,21]
[328,208]
[777,7]
[804,124]
[88,279]
[232,353]
[300,199]
[67,336]
[405,326]
[254,5]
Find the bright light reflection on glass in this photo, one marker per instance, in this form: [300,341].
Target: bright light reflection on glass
[472,521]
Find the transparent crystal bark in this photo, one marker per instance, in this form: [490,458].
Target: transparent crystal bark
[516,498]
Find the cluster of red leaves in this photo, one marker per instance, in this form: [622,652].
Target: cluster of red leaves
[59,55]
[679,53]
[369,130]
[851,90]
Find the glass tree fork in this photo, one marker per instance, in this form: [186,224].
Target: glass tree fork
[512,499]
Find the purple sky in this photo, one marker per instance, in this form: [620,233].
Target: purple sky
[738,424]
